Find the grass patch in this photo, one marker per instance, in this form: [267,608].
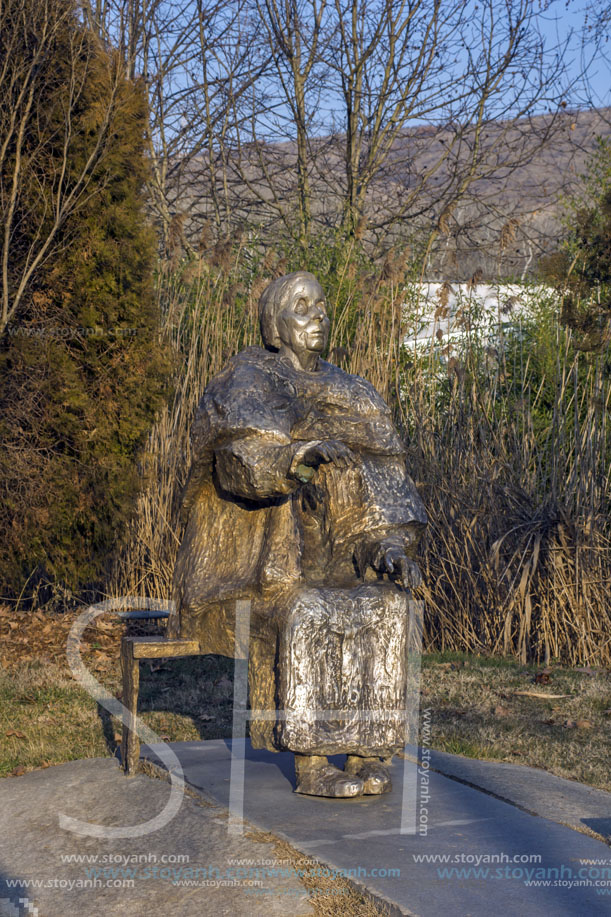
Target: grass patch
[475,704]
[330,896]
[478,710]
[456,745]
[46,718]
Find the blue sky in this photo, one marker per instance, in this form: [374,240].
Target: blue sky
[589,48]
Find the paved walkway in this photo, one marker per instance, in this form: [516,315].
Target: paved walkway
[564,801]
[436,845]
[433,846]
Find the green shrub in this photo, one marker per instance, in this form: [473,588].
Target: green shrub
[83,371]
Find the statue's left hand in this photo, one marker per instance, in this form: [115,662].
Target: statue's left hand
[393,560]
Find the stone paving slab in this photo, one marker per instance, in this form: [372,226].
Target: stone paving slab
[564,801]
[34,848]
[482,852]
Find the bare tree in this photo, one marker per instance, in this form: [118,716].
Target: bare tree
[295,53]
[45,172]
[377,119]
[199,60]
[380,111]
[454,68]
[596,57]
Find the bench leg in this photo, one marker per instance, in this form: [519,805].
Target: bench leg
[130,743]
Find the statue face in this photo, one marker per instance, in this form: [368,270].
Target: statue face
[303,325]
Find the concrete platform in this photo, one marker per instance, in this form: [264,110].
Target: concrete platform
[47,871]
[463,853]
[564,801]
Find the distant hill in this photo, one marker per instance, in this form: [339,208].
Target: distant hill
[507,219]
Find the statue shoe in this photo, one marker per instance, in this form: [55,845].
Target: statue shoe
[328,780]
[375,776]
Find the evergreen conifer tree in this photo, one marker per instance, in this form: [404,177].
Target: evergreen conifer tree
[83,369]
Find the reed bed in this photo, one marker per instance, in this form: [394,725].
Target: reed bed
[208,314]
[511,453]
[508,443]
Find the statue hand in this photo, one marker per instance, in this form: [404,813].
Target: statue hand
[329,451]
[394,561]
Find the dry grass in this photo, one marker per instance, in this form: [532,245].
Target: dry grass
[514,470]
[477,710]
[329,895]
[45,719]
[209,315]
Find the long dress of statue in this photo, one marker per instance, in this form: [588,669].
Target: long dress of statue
[299,501]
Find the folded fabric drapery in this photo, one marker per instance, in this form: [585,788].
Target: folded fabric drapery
[342,672]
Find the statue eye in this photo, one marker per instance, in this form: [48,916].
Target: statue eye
[301,307]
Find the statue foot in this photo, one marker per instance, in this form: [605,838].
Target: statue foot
[375,776]
[323,779]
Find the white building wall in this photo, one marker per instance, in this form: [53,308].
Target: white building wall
[445,312]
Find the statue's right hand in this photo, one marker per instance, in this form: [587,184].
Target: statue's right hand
[329,451]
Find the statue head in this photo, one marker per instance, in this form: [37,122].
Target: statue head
[292,314]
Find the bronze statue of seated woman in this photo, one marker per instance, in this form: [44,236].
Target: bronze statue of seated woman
[299,501]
